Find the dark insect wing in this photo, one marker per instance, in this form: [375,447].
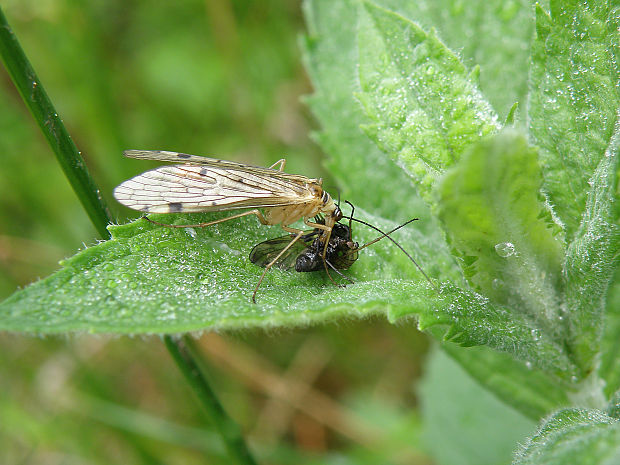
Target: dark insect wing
[262,254]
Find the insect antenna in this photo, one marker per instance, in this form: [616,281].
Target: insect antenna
[339,272]
[350,220]
[335,188]
[387,234]
[383,234]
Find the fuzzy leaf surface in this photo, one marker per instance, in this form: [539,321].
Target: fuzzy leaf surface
[470,319]
[151,279]
[493,34]
[574,98]
[610,343]
[330,56]
[424,110]
[573,436]
[490,209]
[592,259]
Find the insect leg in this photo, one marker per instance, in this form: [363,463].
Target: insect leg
[317,225]
[258,214]
[281,162]
[292,230]
[270,264]
[328,233]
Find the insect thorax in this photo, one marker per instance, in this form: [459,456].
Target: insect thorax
[317,202]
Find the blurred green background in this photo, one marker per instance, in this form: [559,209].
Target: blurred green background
[201,77]
[207,77]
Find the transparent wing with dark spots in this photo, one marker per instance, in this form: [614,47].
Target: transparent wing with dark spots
[177,157]
[201,188]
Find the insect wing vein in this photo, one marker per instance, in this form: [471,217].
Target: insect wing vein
[177,157]
[196,188]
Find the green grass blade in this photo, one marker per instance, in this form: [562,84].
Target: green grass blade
[184,355]
[39,104]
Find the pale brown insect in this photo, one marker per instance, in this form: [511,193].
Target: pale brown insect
[202,184]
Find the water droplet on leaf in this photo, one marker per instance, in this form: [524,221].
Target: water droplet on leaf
[505,249]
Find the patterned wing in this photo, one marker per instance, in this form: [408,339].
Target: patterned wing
[199,188]
[177,157]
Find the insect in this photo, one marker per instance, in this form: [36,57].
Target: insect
[201,184]
[305,255]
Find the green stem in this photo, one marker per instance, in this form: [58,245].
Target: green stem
[39,104]
[185,355]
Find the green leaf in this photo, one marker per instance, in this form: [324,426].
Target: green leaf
[613,409]
[151,279]
[330,56]
[464,423]
[470,319]
[591,260]
[490,209]
[529,390]
[424,109]
[610,344]
[573,436]
[574,99]
[494,35]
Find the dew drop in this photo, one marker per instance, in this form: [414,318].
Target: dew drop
[505,249]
